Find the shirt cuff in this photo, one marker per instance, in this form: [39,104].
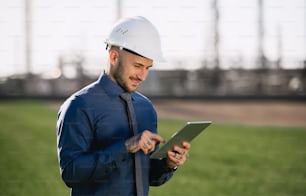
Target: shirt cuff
[166,167]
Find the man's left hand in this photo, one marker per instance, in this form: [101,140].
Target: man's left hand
[178,155]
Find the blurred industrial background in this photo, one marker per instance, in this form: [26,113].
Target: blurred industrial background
[238,63]
[214,70]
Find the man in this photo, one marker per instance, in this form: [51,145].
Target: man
[104,139]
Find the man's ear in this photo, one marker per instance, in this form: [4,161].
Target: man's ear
[113,57]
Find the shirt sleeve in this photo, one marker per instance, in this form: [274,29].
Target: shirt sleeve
[159,173]
[75,135]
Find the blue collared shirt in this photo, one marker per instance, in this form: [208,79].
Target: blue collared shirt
[92,127]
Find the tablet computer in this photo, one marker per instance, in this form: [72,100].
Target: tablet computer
[187,133]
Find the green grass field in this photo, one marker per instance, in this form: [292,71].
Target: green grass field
[224,160]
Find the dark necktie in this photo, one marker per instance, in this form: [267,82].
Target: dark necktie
[133,126]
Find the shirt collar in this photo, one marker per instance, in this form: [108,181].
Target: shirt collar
[110,87]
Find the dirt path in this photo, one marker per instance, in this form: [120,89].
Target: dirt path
[276,113]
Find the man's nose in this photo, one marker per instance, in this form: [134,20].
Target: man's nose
[142,74]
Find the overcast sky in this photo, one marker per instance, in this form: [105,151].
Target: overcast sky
[66,26]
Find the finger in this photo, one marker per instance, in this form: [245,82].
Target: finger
[179,150]
[145,140]
[172,157]
[146,146]
[148,142]
[146,150]
[150,147]
[176,159]
[186,145]
[154,137]
[142,145]
[171,163]
[157,138]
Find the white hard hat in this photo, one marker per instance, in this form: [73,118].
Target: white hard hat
[138,35]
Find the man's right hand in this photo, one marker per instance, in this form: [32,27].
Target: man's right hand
[144,141]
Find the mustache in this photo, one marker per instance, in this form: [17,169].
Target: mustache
[136,78]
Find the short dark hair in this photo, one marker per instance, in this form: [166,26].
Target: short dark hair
[130,51]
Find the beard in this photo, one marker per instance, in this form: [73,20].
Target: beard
[118,74]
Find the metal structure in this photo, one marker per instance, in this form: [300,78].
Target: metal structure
[216,58]
[28,35]
[261,34]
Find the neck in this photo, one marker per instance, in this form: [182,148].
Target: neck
[110,75]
